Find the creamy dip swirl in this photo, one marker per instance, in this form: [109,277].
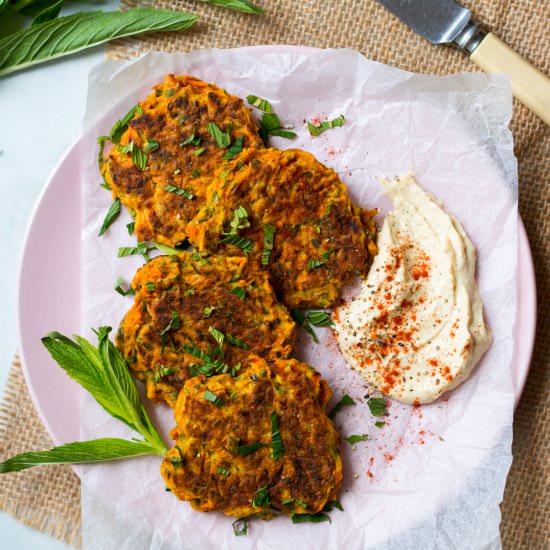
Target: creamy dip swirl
[416,330]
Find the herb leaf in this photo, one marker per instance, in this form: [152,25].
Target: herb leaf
[119,287]
[235,149]
[120,126]
[314,264]
[240,527]
[244,6]
[346,401]
[246,245]
[223,139]
[72,33]
[261,498]
[239,292]
[319,517]
[249,448]
[276,440]
[151,145]
[301,318]
[213,398]
[269,235]
[112,214]
[319,318]
[351,439]
[270,125]
[79,452]
[377,406]
[325,125]
[168,250]
[259,103]
[179,191]
[103,372]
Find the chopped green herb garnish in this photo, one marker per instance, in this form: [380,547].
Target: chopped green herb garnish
[380,424]
[190,292]
[239,291]
[130,227]
[195,352]
[240,527]
[377,406]
[269,234]
[240,220]
[112,214]
[191,140]
[311,518]
[270,125]
[166,249]
[101,140]
[139,158]
[162,371]
[208,311]
[261,498]
[346,401]
[196,173]
[276,440]
[121,125]
[141,248]
[287,502]
[246,245]
[174,323]
[235,149]
[169,92]
[224,472]
[356,438]
[319,318]
[325,125]
[217,335]
[212,397]
[151,145]
[199,152]
[236,342]
[150,285]
[314,264]
[301,318]
[248,449]
[259,103]
[179,191]
[332,504]
[120,287]
[223,139]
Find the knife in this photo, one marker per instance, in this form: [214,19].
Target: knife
[446,22]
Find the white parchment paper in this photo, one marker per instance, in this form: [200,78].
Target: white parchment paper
[434,475]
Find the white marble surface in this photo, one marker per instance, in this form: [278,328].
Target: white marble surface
[41,112]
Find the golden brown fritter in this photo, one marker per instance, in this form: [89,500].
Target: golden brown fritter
[167,155]
[226,456]
[194,315]
[319,241]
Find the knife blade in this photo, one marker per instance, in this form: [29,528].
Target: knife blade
[446,22]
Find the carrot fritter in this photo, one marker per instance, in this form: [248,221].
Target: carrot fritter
[255,443]
[292,214]
[167,155]
[195,315]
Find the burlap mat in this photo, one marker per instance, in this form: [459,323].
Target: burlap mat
[48,497]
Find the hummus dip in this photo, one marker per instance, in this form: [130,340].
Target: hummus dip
[416,330]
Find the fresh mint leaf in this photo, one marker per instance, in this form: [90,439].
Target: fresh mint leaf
[79,452]
[72,33]
[235,149]
[244,6]
[223,139]
[259,103]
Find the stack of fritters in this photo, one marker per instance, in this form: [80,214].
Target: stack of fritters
[185,305]
[206,333]
[171,127]
[257,442]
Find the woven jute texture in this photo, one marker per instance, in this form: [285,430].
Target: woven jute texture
[48,497]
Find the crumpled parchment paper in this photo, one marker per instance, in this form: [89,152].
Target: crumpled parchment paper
[434,475]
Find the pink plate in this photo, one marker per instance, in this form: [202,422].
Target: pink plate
[49,299]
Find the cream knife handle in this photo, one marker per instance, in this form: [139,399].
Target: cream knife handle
[529,85]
